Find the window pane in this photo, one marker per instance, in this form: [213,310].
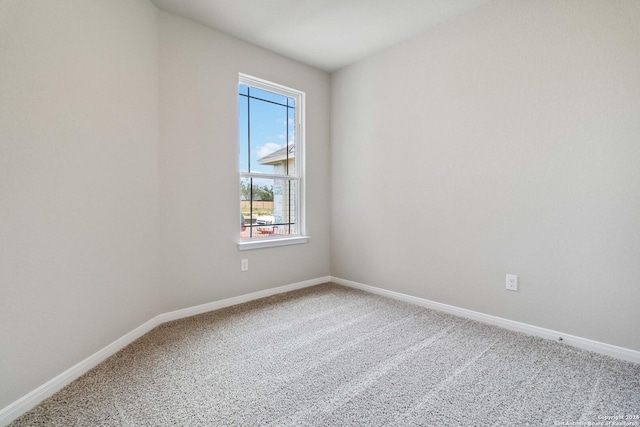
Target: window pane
[268,207]
[268,129]
[268,133]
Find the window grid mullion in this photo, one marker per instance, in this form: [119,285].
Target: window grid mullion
[249,162]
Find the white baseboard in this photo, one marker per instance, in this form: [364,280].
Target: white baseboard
[32,399]
[216,305]
[572,340]
[29,401]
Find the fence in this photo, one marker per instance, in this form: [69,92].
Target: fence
[245,205]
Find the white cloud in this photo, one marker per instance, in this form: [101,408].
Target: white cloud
[268,148]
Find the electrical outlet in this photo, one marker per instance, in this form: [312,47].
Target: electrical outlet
[244,264]
[512,282]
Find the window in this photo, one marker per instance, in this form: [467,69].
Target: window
[270,119]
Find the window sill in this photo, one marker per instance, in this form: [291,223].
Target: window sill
[268,243]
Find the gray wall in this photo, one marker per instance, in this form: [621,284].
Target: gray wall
[199,167]
[504,141]
[79,226]
[118,165]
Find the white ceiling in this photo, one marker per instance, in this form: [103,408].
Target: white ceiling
[326,34]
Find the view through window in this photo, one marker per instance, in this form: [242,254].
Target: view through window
[270,166]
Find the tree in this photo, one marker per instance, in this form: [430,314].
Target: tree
[264,193]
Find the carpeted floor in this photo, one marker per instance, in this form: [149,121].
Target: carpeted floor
[333,356]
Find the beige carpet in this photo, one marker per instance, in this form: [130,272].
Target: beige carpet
[333,356]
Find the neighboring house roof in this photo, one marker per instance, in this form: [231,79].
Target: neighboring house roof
[278,156]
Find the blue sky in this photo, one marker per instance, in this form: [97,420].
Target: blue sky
[269,127]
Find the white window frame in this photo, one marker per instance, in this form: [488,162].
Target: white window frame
[299,167]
